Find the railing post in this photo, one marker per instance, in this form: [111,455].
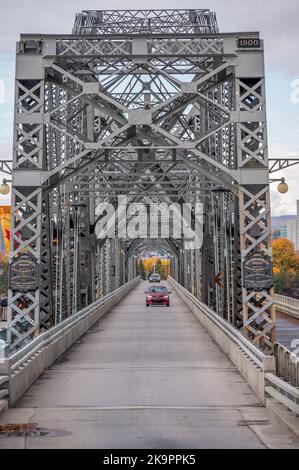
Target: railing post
[269,363]
[269,366]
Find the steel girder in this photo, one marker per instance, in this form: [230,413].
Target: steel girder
[6,167]
[145,21]
[278,164]
[163,112]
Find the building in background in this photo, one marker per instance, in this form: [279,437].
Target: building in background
[288,228]
[276,234]
[292,231]
[284,231]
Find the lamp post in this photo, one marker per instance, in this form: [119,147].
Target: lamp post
[283,187]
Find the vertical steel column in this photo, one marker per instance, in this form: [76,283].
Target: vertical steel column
[254,197]
[29,209]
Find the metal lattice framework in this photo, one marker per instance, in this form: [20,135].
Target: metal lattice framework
[145,104]
[91,22]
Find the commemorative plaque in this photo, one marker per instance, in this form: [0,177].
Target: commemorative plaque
[257,270]
[23,274]
[249,43]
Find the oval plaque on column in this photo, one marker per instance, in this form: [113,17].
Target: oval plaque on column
[23,274]
[258,271]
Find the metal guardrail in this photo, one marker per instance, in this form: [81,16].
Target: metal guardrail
[21,356]
[287,305]
[287,364]
[283,392]
[252,351]
[284,386]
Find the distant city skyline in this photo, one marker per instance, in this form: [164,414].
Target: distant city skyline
[288,227]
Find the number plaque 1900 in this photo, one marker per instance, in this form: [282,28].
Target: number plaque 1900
[249,43]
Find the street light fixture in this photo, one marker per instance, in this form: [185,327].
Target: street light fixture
[282,188]
[4,187]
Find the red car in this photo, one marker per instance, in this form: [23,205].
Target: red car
[157,295]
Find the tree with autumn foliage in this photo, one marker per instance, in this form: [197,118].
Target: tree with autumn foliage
[161,269]
[142,270]
[284,256]
[286,268]
[155,264]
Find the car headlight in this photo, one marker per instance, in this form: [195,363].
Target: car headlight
[149,297]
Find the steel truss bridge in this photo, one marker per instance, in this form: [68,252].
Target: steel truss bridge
[143,104]
[155,106]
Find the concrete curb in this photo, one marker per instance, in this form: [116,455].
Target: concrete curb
[284,415]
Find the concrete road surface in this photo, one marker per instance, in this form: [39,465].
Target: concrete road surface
[145,378]
[287,329]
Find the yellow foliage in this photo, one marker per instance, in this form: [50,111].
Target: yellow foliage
[149,263]
[3,259]
[5,225]
[284,256]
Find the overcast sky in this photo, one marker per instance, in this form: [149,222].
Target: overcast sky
[276,20]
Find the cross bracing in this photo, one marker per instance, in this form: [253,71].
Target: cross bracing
[146,21]
[173,111]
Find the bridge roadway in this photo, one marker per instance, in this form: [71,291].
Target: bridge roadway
[287,329]
[145,378]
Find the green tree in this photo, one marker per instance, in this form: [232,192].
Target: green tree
[280,280]
[163,272]
[161,269]
[142,270]
[158,266]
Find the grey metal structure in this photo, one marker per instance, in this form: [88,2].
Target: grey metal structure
[145,104]
[109,22]
[6,167]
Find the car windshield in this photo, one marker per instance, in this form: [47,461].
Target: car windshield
[158,289]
